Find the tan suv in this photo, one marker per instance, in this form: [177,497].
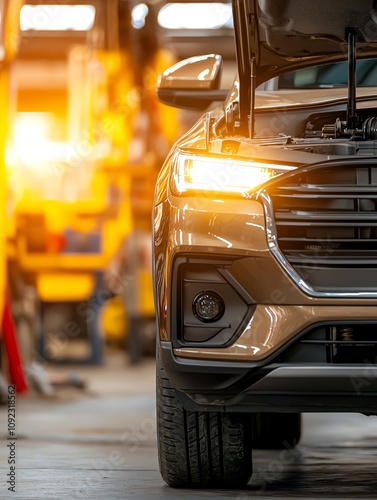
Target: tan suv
[265,243]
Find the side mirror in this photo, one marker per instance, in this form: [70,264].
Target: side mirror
[193,83]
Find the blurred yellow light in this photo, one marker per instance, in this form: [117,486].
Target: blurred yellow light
[32,152]
[222,175]
[31,140]
[31,128]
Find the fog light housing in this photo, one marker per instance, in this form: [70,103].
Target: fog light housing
[208,306]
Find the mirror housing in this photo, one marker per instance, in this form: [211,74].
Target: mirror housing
[192,83]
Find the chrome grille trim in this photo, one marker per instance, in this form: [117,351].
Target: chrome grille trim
[272,241]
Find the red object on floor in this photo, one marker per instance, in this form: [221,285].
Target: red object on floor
[17,375]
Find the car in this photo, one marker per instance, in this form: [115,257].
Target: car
[265,243]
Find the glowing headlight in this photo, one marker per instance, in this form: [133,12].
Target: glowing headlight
[222,175]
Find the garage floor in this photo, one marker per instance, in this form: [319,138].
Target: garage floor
[84,443]
[99,443]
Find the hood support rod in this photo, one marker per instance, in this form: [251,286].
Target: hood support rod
[252,97]
[351,105]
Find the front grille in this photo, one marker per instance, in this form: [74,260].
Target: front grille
[326,225]
[335,344]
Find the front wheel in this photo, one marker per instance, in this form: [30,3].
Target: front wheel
[200,449]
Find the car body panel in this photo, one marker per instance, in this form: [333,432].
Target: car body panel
[271,327]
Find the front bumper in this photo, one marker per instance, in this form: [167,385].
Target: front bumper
[204,385]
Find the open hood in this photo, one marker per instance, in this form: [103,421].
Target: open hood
[285,35]
[277,36]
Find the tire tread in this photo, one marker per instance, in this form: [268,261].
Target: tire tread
[200,449]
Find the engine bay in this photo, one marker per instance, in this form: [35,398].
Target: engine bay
[338,130]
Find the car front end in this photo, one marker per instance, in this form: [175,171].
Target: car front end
[265,241]
[269,290]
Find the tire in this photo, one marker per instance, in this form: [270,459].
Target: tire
[276,431]
[200,449]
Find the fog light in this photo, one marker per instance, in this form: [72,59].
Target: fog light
[208,306]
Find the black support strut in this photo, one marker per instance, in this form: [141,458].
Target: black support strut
[351,106]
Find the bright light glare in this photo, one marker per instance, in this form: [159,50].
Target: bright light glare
[32,142]
[31,129]
[227,176]
[57,17]
[196,16]
[138,15]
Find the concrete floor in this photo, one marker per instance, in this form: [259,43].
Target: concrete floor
[99,443]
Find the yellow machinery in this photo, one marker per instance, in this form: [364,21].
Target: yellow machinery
[70,196]
[157,138]
[81,198]
[9,38]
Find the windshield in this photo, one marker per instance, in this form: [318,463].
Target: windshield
[330,76]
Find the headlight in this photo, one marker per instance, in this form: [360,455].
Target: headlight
[222,175]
